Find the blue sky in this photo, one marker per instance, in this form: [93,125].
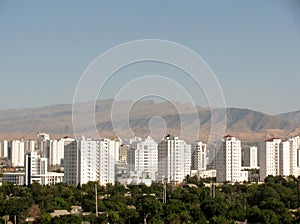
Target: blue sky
[253,47]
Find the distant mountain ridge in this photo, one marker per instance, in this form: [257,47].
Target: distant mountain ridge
[293,116]
[246,124]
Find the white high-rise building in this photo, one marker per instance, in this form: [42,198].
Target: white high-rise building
[107,159]
[294,155]
[250,157]
[89,160]
[117,144]
[56,152]
[42,144]
[4,148]
[279,157]
[228,160]
[187,159]
[284,158]
[142,158]
[174,159]
[81,161]
[269,155]
[16,153]
[199,156]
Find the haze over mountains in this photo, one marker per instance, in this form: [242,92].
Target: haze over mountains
[247,125]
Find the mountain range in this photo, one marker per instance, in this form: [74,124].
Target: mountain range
[246,124]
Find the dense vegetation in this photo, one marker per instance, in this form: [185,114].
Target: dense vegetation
[189,203]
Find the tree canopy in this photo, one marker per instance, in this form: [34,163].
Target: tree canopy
[191,202]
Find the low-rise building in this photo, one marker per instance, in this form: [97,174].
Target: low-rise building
[14,178]
[49,178]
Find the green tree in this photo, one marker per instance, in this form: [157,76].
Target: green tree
[60,203]
[149,209]
[280,211]
[197,215]
[269,216]
[254,215]
[214,207]
[175,211]
[45,219]
[221,220]
[236,212]
[114,217]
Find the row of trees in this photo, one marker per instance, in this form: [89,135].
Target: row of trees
[188,203]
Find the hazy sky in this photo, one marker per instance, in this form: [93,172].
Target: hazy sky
[253,47]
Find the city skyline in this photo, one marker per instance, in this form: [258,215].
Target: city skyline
[144,159]
[150,112]
[253,47]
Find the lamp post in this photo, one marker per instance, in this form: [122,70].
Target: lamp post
[298,194]
[165,180]
[96,200]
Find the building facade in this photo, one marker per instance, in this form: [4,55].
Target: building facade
[199,156]
[284,158]
[16,153]
[269,158]
[56,150]
[89,160]
[4,148]
[80,165]
[142,158]
[250,157]
[36,170]
[228,160]
[29,145]
[34,165]
[107,161]
[294,155]
[279,157]
[42,144]
[174,159]
[14,178]
[123,153]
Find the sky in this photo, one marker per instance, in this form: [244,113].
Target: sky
[253,47]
